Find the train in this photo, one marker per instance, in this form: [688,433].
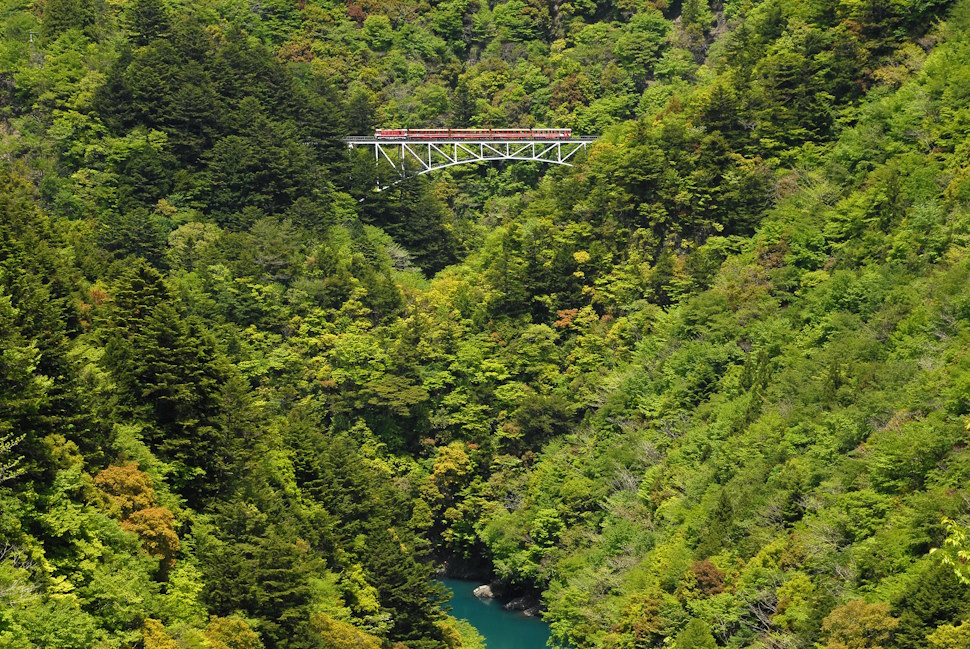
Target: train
[473,133]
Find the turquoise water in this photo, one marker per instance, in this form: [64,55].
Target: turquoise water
[502,629]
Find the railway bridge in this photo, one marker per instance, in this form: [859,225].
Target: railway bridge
[414,152]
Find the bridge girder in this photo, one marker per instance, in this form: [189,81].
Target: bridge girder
[409,158]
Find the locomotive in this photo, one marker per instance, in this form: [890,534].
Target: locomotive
[473,133]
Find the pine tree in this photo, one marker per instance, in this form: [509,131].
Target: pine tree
[148,20]
[406,589]
[936,598]
[62,15]
[170,374]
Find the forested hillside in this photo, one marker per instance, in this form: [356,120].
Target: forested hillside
[708,388]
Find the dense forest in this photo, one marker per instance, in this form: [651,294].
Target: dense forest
[710,387]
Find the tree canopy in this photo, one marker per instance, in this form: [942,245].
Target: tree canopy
[706,388]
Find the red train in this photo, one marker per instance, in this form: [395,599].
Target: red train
[473,133]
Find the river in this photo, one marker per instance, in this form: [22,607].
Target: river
[502,629]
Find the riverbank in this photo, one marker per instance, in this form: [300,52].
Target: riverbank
[486,587]
[502,628]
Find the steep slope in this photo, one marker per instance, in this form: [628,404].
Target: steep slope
[705,387]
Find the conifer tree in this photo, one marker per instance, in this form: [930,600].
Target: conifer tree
[149,20]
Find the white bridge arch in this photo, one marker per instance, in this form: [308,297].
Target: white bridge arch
[418,156]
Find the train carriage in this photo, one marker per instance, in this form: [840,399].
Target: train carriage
[473,134]
[391,133]
[468,133]
[511,133]
[428,133]
[552,133]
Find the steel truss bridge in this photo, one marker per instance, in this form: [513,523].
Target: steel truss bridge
[417,156]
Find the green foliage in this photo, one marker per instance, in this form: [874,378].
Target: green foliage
[62,15]
[706,388]
[696,635]
[149,20]
[377,32]
[858,625]
[948,636]
[954,552]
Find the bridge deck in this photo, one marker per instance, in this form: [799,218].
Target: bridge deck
[454,140]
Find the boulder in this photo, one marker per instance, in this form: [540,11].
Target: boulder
[528,605]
